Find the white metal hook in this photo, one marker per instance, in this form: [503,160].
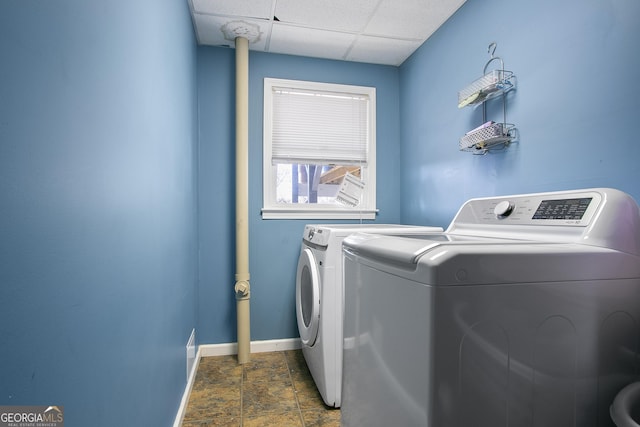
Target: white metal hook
[492,49]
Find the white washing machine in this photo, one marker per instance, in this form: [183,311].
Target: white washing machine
[525,312]
[319,296]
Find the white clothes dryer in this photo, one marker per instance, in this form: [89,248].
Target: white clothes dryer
[319,297]
[524,313]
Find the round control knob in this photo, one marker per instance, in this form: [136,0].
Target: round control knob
[503,209]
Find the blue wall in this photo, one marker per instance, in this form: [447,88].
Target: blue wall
[102,143]
[98,234]
[576,104]
[274,244]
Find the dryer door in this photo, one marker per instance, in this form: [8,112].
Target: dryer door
[308,297]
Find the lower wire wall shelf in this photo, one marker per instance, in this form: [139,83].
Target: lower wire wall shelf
[488,136]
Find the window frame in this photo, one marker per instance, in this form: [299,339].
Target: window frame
[273,210]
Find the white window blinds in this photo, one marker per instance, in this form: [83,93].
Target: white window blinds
[319,127]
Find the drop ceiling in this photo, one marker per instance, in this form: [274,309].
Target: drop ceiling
[372,31]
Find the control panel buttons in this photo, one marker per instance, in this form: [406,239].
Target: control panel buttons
[503,209]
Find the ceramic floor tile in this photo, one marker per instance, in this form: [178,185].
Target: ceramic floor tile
[218,422]
[218,370]
[272,397]
[321,418]
[215,402]
[297,365]
[272,390]
[266,367]
[308,395]
[287,419]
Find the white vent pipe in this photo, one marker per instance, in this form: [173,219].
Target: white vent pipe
[242,287]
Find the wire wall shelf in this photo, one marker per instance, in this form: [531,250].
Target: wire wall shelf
[492,84]
[493,135]
[490,135]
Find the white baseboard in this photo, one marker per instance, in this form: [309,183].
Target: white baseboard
[228,349]
[187,391]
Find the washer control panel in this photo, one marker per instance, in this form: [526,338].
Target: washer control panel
[603,217]
[564,209]
[573,209]
[503,209]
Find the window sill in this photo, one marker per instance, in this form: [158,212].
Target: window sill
[317,213]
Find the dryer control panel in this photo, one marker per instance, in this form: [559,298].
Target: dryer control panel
[316,236]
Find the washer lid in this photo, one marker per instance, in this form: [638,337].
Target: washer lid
[319,236]
[465,260]
[408,249]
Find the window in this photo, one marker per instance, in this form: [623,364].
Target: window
[319,150]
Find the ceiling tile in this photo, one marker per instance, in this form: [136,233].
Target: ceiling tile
[209,31]
[411,19]
[377,50]
[339,15]
[248,8]
[387,31]
[309,42]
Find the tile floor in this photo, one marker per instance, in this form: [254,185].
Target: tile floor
[273,389]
